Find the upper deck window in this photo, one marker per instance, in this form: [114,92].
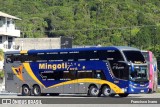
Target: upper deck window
[134,56]
[110,55]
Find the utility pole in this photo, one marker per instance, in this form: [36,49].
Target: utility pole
[130,36]
[154,39]
[96,25]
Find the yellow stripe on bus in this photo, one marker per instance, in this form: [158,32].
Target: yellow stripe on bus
[114,87]
[30,72]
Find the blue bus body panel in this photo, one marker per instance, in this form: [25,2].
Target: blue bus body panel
[67,66]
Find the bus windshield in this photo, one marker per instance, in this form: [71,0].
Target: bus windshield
[139,74]
[134,56]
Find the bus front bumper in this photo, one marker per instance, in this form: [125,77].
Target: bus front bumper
[137,90]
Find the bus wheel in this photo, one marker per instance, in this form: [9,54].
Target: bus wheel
[36,90]
[123,95]
[26,90]
[106,91]
[93,91]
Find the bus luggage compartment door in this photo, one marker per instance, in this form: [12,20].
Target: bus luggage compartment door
[81,87]
[69,88]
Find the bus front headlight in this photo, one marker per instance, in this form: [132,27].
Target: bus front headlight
[124,90]
[132,86]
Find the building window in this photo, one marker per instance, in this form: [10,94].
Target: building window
[0,39]
[10,39]
[1,22]
[8,23]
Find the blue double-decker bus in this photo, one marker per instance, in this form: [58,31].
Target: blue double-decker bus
[93,71]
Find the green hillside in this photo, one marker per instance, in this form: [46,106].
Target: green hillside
[90,22]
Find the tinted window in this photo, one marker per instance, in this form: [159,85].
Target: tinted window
[84,74]
[69,75]
[51,75]
[99,74]
[120,70]
[69,56]
[58,75]
[110,55]
[134,56]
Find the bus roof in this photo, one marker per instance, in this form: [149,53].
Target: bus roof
[121,48]
[145,51]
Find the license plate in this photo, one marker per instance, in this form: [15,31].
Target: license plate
[142,91]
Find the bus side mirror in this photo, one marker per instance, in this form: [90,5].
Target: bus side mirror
[132,67]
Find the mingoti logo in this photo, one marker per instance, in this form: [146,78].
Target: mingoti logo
[53,66]
[18,72]
[64,65]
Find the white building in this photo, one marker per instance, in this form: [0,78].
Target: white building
[8,32]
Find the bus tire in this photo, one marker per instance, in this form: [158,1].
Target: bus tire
[37,90]
[106,90]
[93,91]
[123,95]
[26,90]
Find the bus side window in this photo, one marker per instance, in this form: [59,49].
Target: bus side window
[99,74]
[84,74]
[69,75]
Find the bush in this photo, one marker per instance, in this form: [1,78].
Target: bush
[1,74]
